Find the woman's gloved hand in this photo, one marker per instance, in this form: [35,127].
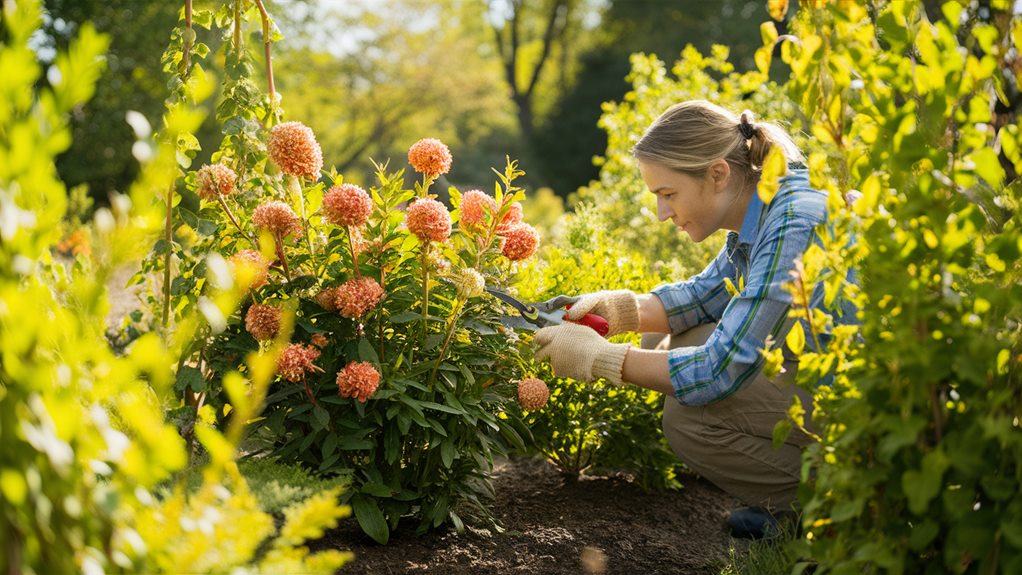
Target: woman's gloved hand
[579,353]
[619,307]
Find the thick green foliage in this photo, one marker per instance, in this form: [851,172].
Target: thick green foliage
[587,425]
[918,469]
[83,445]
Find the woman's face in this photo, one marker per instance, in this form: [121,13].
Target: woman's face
[699,206]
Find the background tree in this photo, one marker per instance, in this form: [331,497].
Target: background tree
[400,70]
[567,141]
[100,155]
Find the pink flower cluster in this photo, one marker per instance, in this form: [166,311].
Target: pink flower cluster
[354,298]
[278,218]
[359,380]
[296,361]
[429,220]
[475,204]
[533,393]
[520,242]
[213,180]
[262,321]
[430,156]
[347,205]
[293,147]
[250,268]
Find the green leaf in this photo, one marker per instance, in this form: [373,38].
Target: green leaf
[922,485]
[988,166]
[329,445]
[190,378]
[781,431]
[377,489]
[321,417]
[405,317]
[370,518]
[447,453]
[367,353]
[440,407]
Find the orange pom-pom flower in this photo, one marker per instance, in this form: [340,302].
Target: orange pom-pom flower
[354,298]
[533,393]
[521,241]
[262,321]
[293,147]
[296,361]
[358,380]
[214,180]
[475,204]
[278,218]
[429,220]
[430,156]
[347,205]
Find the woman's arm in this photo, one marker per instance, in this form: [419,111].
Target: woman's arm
[648,368]
[652,315]
[695,301]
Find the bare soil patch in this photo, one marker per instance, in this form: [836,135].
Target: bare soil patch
[556,526]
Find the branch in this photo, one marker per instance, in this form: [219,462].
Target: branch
[189,38]
[269,60]
[548,40]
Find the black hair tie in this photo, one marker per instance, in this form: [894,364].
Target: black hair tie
[747,130]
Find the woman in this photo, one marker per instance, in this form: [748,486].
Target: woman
[702,162]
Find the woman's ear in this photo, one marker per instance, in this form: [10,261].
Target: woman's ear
[720,174]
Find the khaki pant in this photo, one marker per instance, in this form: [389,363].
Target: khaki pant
[730,442]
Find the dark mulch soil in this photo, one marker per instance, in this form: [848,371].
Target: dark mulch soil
[553,526]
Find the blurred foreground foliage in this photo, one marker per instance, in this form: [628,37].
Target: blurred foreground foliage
[83,443]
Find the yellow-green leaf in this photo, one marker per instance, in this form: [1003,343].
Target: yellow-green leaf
[796,339]
[730,287]
[777,8]
[774,166]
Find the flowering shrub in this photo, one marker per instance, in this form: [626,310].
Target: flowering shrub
[391,366]
[398,369]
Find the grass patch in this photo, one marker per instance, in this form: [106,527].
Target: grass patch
[776,556]
[276,486]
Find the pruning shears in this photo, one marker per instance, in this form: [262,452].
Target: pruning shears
[547,313]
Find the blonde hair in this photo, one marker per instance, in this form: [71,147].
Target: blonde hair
[691,135]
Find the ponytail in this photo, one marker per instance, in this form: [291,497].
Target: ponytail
[690,136]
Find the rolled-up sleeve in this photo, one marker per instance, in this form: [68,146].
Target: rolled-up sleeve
[699,299]
[731,356]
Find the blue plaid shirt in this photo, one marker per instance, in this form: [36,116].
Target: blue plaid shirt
[760,256]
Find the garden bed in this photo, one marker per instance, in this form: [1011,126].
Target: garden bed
[551,524]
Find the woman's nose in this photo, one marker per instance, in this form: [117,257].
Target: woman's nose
[663,209]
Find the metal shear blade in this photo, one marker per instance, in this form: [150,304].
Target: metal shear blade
[532,317]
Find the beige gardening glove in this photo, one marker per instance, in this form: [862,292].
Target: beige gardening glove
[579,353]
[619,307]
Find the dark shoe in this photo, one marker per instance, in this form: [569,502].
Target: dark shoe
[755,523]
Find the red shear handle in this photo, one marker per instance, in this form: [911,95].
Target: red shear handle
[591,320]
